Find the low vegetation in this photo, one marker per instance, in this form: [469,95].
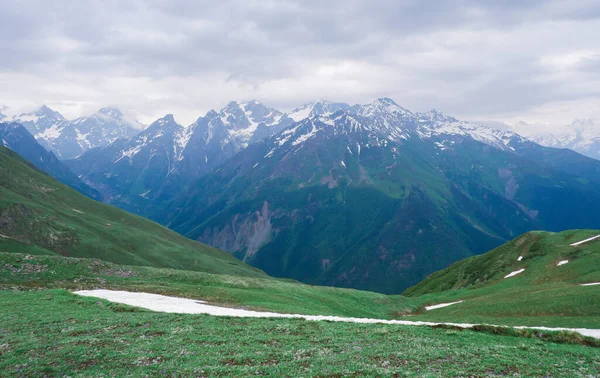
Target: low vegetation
[56,333]
[544,294]
[19,271]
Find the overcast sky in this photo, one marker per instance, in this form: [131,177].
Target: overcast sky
[508,61]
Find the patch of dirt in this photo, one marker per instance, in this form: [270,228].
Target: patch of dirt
[107,269]
[4,348]
[26,268]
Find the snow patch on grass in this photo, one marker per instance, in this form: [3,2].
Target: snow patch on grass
[162,303]
[512,274]
[520,258]
[441,305]
[562,262]
[584,241]
[591,284]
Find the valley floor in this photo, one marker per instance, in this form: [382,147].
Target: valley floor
[56,333]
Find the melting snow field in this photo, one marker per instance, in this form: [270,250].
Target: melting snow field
[584,241]
[562,262]
[161,303]
[512,274]
[441,305]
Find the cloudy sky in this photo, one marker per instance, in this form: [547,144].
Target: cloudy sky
[508,61]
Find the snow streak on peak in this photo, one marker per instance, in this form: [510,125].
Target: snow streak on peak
[501,139]
[250,121]
[384,120]
[167,119]
[385,107]
[318,108]
[210,114]
[435,116]
[43,113]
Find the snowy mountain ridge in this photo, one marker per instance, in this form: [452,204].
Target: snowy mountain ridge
[68,139]
[385,120]
[582,135]
[240,124]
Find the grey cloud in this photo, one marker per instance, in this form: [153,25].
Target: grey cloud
[466,57]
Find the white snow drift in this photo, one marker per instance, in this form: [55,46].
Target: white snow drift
[562,262]
[584,241]
[163,303]
[512,274]
[441,305]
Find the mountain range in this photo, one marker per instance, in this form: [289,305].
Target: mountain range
[582,135]
[70,138]
[369,196]
[136,173]
[376,197]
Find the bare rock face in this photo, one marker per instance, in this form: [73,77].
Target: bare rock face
[244,232]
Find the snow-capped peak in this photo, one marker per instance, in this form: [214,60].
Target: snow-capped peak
[45,111]
[111,112]
[161,126]
[166,120]
[440,125]
[582,135]
[384,120]
[42,112]
[243,120]
[211,114]
[435,116]
[317,108]
[382,107]
[44,123]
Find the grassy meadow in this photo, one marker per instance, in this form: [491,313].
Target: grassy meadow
[55,333]
[544,294]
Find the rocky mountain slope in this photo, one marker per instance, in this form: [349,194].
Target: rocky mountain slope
[376,197]
[136,173]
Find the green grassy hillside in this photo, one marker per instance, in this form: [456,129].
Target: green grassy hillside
[543,293]
[34,272]
[39,215]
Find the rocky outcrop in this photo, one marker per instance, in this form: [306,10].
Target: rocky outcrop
[244,234]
